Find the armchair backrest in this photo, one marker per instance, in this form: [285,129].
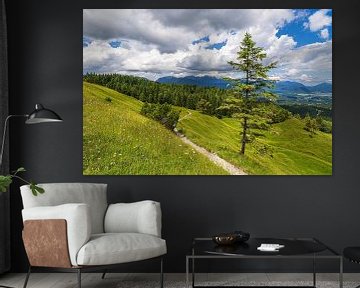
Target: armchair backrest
[92,194]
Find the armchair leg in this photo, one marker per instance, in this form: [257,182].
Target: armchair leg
[27,277]
[103,275]
[79,277]
[161,273]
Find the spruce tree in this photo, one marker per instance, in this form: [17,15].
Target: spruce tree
[249,90]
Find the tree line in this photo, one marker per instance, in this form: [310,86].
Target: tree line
[188,96]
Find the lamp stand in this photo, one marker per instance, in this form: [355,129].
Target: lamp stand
[4,135]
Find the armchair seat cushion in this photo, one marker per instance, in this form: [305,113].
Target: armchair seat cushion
[113,248]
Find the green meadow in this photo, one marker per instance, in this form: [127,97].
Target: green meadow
[117,140]
[290,150]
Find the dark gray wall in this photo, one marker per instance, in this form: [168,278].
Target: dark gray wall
[45,50]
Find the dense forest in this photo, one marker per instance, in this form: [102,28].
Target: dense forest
[208,100]
[311,110]
[188,96]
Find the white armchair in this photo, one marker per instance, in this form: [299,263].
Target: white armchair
[72,228]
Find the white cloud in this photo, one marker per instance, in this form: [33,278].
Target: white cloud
[319,20]
[301,14]
[105,24]
[306,78]
[275,78]
[174,29]
[307,64]
[324,33]
[155,43]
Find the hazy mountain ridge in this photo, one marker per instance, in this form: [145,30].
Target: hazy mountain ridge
[280,86]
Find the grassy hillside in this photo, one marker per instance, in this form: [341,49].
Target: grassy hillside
[117,140]
[290,149]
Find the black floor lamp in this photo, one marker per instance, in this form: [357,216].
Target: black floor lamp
[39,115]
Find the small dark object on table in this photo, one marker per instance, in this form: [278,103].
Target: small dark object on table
[224,239]
[242,236]
[231,238]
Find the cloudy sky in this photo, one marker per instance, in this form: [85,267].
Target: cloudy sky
[160,42]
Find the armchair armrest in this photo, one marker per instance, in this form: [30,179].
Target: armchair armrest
[77,219]
[138,217]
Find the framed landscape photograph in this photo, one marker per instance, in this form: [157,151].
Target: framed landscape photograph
[207,92]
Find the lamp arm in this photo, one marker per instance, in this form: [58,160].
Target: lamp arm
[4,134]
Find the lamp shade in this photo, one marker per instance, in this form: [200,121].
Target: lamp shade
[42,115]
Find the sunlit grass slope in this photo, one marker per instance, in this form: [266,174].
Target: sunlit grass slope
[117,140]
[292,150]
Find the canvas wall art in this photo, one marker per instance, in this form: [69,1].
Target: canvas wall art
[207,92]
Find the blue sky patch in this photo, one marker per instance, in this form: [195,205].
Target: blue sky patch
[86,41]
[301,34]
[115,43]
[201,40]
[216,46]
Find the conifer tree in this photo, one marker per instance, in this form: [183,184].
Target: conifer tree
[249,90]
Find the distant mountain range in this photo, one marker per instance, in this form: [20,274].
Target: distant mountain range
[295,87]
[280,86]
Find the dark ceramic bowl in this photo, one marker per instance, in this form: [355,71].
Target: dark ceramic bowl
[225,239]
[231,238]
